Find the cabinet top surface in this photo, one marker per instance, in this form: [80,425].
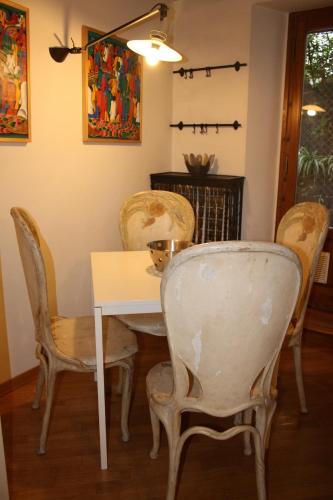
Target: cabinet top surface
[197,180]
[186,175]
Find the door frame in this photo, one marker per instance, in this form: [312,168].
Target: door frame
[300,23]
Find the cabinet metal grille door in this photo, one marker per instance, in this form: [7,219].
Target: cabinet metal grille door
[218,210]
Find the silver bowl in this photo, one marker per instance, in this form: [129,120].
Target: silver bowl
[162,251]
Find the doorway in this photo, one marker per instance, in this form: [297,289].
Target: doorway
[306,163]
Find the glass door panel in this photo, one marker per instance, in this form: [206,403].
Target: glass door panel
[306,162]
[315,153]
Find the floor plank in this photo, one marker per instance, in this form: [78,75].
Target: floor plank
[299,461]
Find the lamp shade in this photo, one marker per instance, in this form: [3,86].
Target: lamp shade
[155,49]
[313,109]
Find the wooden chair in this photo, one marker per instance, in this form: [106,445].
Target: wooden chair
[148,216]
[67,343]
[227,307]
[303,228]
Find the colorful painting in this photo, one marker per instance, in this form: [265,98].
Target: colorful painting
[112,102]
[14,73]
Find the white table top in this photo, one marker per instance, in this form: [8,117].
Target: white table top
[125,282]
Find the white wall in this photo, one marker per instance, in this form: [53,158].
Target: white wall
[266,85]
[211,34]
[74,190]
[222,32]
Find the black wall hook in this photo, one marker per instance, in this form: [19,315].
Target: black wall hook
[205,126]
[184,71]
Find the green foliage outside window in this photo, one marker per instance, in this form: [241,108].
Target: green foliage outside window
[319,59]
[312,164]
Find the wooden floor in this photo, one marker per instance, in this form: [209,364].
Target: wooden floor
[299,461]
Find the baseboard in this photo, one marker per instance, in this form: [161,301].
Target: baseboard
[18,381]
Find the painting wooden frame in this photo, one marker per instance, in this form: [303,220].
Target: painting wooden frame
[15,122]
[112,90]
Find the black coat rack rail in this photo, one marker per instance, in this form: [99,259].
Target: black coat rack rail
[188,72]
[203,127]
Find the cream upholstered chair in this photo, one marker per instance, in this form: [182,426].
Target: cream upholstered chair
[227,307]
[303,228]
[148,216]
[67,343]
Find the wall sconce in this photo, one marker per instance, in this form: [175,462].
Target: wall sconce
[313,109]
[154,49]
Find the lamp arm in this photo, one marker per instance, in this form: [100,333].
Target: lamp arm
[158,8]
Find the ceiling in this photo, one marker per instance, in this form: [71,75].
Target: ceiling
[296,5]
[283,5]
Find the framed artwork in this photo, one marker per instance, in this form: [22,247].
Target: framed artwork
[14,73]
[112,103]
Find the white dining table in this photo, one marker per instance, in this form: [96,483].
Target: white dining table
[122,283]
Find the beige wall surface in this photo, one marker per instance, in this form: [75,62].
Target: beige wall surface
[74,190]
[212,34]
[5,373]
[266,86]
[223,32]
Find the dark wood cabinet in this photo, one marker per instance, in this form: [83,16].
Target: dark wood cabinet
[216,201]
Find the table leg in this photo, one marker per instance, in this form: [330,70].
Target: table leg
[100,386]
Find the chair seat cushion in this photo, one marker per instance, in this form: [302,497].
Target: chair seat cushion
[145,323]
[160,382]
[75,338]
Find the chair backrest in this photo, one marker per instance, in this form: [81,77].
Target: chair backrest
[34,270]
[155,215]
[303,228]
[227,307]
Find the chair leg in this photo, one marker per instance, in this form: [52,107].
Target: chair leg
[172,427]
[119,385]
[261,425]
[39,387]
[269,418]
[260,466]
[156,429]
[52,374]
[238,418]
[247,420]
[127,382]
[299,377]
[42,377]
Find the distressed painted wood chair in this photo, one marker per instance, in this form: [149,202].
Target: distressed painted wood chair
[227,307]
[67,343]
[148,216]
[303,228]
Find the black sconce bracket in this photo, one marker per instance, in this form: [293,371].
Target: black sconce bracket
[59,54]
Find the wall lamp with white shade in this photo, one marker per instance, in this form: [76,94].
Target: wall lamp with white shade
[313,109]
[154,49]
